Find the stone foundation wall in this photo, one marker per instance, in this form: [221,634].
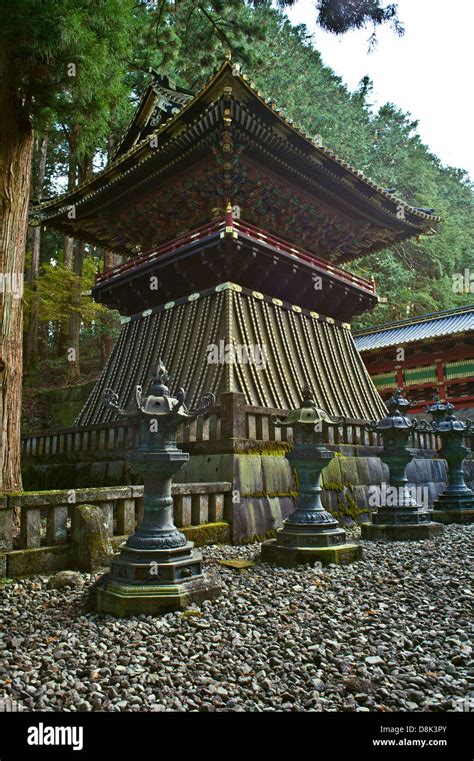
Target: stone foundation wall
[263,488]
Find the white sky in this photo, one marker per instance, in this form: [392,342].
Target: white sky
[427,72]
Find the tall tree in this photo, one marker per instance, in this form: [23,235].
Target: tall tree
[31,343]
[47,55]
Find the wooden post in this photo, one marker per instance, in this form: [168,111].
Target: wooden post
[108,511]
[216,507]
[199,509]
[182,509]
[233,414]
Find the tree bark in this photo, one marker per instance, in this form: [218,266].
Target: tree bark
[105,337]
[16,149]
[74,334]
[71,184]
[31,346]
[63,327]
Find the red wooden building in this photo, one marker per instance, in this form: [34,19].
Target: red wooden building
[426,355]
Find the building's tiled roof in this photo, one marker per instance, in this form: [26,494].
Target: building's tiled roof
[357,214]
[434,325]
[300,347]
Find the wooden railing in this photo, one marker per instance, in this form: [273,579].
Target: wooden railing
[196,234]
[115,439]
[220,227]
[260,426]
[246,228]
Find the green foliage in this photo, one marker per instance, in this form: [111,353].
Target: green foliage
[415,276]
[339,16]
[60,294]
[186,40]
[68,60]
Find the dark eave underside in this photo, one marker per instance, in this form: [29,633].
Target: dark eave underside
[239,256]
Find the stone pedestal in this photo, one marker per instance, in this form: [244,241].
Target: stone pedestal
[399,524]
[157,570]
[152,582]
[310,534]
[405,519]
[342,553]
[456,503]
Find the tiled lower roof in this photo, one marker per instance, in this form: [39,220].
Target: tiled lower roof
[434,325]
[300,346]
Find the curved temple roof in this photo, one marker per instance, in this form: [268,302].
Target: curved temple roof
[196,337]
[434,325]
[228,142]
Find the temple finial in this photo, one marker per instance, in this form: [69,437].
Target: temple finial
[228,54]
[229,218]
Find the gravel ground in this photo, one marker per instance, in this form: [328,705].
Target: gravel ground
[392,632]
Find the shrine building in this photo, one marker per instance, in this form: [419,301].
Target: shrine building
[425,355]
[237,229]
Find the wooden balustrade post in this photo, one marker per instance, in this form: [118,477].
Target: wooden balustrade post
[108,512]
[216,507]
[233,415]
[30,527]
[182,509]
[199,509]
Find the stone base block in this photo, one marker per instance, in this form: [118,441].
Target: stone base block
[40,560]
[397,533]
[453,516]
[447,502]
[124,600]
[305,537]
[341,554]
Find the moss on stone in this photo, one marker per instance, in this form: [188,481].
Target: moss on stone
[333,486]
[271,534]
[207,533]
[347,506]
[271,448]
[270,494]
